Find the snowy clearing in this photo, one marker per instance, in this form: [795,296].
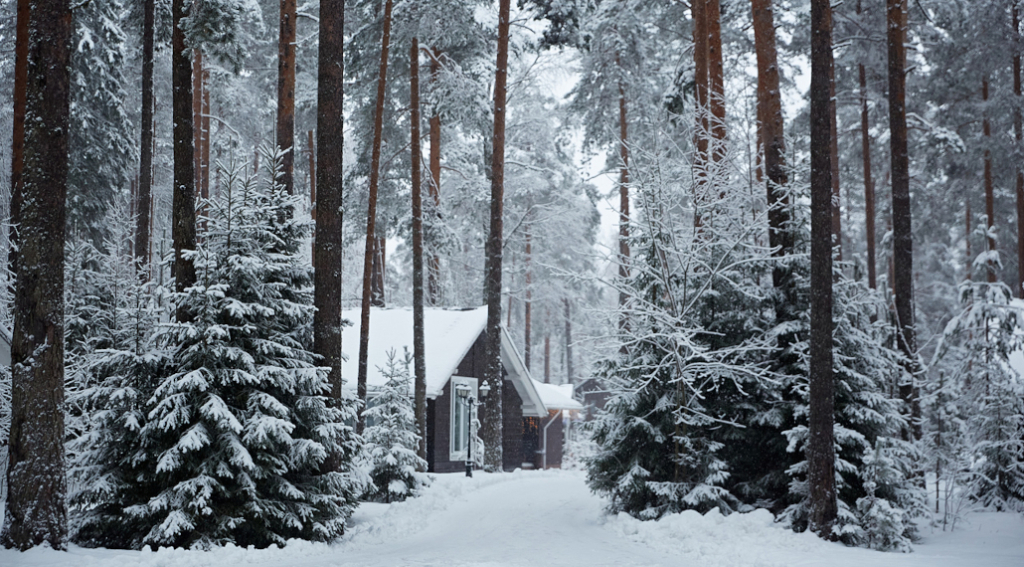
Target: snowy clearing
[551,519]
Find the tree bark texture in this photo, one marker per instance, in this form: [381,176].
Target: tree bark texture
[820,450]
[330,132]
[418,332]
[701,126]
[434,270]
[371,213]
[36,511]
[145,195]
[623,195]
[869,184]
[184,201]
[18,138]
[1018,133]
[528,304]
[773,140]
[312,188]
[197,117]
[990,201]
[204,154]
[837,211]
[716,78]
[491,430]
[286,94]
[903,244]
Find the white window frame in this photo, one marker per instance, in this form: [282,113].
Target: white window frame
[459,453]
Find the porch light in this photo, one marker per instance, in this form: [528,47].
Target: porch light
[484,389]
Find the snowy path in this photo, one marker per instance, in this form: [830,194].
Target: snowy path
[550,519]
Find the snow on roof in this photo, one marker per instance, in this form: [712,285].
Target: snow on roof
[557,397]
[449,334]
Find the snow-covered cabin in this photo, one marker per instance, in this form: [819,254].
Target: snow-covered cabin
[454,345]
[548,435]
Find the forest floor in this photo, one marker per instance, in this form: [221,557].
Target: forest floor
[551,519]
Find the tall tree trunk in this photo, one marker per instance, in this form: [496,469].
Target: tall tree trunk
[967,236]
[869,184]
[990,202]
[204,173]
[773,140]
[184,221]
[820,451]
[702,126]
[312,188]
[434,271]
[903,244]
[716,78]
[491,430]
[330,131]
[143,219]
[418,332]
[371,213]
[36,511]
[568,341]
[1018,133]
[837,212]
[528,307]
[286,94]
[623,195]
[197,116]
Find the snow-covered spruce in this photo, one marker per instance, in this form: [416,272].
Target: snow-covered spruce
[113,372]
[391,438]
[981,427]
[241,439]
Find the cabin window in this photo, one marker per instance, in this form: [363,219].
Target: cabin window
[460,416]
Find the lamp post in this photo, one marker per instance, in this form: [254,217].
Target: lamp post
[463,391]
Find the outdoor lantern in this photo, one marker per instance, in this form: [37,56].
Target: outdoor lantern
[462,391]
[484,389]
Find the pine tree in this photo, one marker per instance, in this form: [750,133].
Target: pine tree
[241,427]
[391,437]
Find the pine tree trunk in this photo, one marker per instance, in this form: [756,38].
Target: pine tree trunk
[143,219]
[568,341]
[204,173]
[990,202]
[286,94]
[312,188]
[702,113]
[418,332]
[491,430]
[903,244]
[837,212]
[820,451]
[869,184]
[528,307]
[434,271]
[371,213]
[184,221]
[197,116]
[716,78]
[18,138]
[330,131]
[623,197]
[36,511]
[1018,133]
[773,140]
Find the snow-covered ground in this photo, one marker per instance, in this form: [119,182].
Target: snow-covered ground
[551,519]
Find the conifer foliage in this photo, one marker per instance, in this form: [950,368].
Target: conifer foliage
[237,430]
[391,437]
